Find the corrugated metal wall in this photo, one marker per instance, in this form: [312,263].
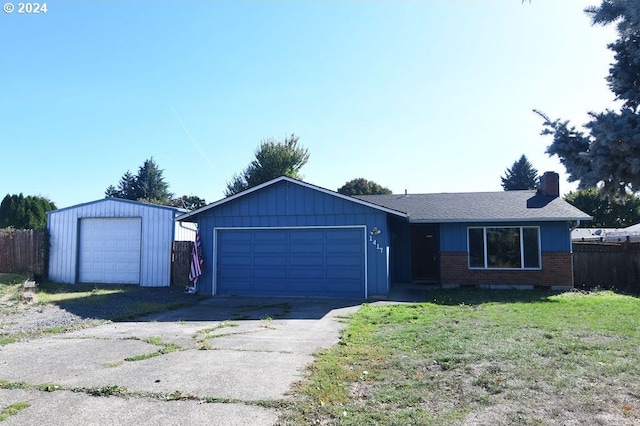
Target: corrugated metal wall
[185,231]
[157,235]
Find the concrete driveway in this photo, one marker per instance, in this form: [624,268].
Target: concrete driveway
[220,362]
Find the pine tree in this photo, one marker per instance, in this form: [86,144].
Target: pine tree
[148,185]
[520,176]
[608,152]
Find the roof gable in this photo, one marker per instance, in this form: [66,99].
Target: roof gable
[284,179]
[480,207]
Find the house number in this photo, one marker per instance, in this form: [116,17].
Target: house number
[375,232]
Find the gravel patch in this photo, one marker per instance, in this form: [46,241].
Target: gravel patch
[17,318]
[30,319]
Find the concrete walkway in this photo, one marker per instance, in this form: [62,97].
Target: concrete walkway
[222,362]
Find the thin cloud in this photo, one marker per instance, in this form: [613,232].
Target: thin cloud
[193,141]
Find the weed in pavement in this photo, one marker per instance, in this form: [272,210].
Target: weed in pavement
[13,409]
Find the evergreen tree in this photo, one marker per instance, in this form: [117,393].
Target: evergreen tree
[361,186]
[520,176]
[148,185]
[127,188]
[273,159]
[20,212]
[608,151]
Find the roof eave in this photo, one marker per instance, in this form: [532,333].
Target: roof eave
[118,200]
[500,220]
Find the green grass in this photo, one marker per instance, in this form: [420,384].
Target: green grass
[488,357]
[165,349]
[10,282]
[12,410]
[202,336]
[13,385]
[109,390]
[57,293]
[10,292]
[5,340]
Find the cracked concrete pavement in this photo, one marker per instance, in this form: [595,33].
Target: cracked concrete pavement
[225,361]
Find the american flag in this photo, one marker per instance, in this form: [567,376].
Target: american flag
[196,261]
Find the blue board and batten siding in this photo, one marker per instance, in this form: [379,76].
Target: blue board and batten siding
[156,234]
[554,236]
[289,216]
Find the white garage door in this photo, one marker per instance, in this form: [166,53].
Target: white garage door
[110,250]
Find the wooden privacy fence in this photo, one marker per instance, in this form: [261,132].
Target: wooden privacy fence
[607,265]
[180,262]
[24,251]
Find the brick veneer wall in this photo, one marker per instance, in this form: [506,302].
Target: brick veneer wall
[557,270]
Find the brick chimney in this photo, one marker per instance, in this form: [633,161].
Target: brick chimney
[549,184]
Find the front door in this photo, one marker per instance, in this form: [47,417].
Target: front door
[424,252]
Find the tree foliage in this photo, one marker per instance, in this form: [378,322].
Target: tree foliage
[608,150]
[273,159]
[520,176]
[608,211]
[148,185]
[20,212]
[361,186]
[189,202]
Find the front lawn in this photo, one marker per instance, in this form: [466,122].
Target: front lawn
[481,358]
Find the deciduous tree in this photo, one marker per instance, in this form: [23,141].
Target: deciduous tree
[608,211]
[189,202]
[361,186]
[273,159]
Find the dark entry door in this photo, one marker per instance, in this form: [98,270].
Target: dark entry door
[425,245]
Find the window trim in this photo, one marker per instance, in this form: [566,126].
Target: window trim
[486,267]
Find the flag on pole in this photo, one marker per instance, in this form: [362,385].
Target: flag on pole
[196,264]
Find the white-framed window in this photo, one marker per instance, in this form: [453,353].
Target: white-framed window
[504,247]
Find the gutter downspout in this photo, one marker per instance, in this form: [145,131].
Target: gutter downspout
[571,228]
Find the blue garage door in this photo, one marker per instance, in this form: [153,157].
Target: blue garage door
[325,262]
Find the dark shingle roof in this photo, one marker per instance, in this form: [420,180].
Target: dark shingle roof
[479,206]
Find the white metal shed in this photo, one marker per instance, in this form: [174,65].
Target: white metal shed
[112,241]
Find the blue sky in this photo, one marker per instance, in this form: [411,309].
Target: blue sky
[427,96]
